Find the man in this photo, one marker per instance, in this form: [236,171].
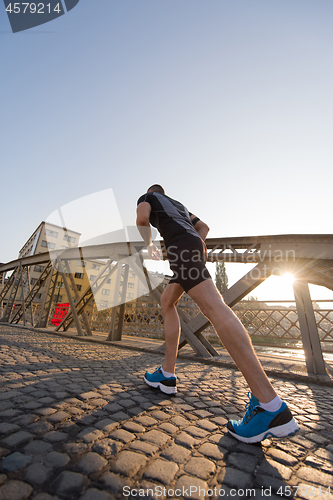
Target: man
[184,235]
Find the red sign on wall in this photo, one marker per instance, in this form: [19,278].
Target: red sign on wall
[59,314]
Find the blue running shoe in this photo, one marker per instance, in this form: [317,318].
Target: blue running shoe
[258,424]
[168,385]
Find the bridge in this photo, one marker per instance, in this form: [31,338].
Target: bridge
[309,258]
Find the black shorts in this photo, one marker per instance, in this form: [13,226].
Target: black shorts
[187,259]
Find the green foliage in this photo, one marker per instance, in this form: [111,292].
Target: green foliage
[221,277]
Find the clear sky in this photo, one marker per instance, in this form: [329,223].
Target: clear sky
[226,103]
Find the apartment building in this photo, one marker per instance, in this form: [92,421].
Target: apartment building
[48,237]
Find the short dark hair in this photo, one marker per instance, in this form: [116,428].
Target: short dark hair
[156,188]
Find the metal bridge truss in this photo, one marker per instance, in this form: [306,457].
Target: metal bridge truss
[308,257]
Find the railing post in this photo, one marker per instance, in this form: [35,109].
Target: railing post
[113,333]
[310,337]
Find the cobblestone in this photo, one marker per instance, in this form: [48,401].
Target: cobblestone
[196,431]
[15,490]
[316,476]
[176,453]
[15,461]
[37,473]
[128,462]
[235,478]
[16,439]
[155,437]
[69,482]
[76,422]
[161,471]
[147,448]
[91,462]
[107,447]
[56,459]
[212,451]
[275,469]
[200,467]
[186,440]
[122,435]
[185,483]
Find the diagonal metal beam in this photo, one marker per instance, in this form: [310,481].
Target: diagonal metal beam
[77,298]
[50,287]
[142,273]
[15,282]
[233,295]
[35,289]
[8,285]
[88,295]
[70,299]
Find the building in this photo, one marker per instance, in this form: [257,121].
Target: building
[49,237]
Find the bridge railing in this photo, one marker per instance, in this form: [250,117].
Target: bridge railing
[268,322]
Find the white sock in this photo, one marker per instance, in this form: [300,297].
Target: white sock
[273,405]
[167,374]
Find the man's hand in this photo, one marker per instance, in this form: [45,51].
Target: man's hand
[154,252]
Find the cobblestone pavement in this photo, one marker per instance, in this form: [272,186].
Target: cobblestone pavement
[77,422]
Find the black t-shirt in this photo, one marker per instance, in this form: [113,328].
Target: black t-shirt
[170,217]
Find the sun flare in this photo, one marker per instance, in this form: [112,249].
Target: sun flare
[288,278]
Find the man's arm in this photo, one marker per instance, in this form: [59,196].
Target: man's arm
[143,224]
[201,228]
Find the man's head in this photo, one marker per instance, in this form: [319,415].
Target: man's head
[155,188]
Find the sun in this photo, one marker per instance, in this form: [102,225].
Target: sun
[288,278]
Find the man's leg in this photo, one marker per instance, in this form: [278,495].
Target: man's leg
[234,337]
[266,414]
[164,377]
[169,299]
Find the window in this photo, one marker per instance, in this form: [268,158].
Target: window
[105,291]
[38,296]
[39,269]
[129,296]
[108,281]
[48,244]
[131,274]
[104,303]
[48,232]
[96,266]
[81,263]
[79,276]
[60,284]
[33,281]
[130,285]
[79,287]
[92,277]
[71,239]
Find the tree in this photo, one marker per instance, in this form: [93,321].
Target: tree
[221,277]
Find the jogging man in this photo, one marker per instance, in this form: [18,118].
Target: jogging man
[184,235]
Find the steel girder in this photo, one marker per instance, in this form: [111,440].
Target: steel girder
[308,257]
